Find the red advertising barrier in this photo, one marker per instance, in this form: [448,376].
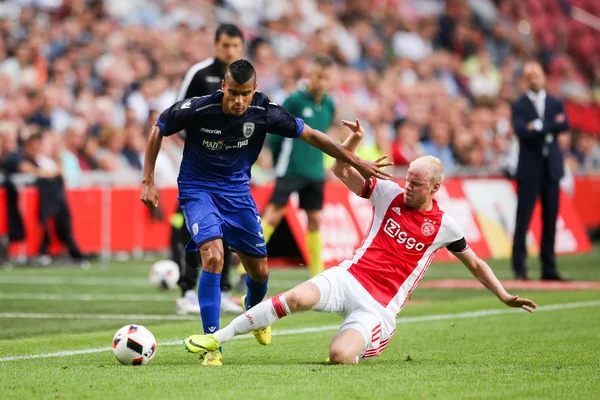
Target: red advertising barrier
[484,208]
[587,200]
[115,220]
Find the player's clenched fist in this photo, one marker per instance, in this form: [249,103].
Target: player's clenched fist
[149,196]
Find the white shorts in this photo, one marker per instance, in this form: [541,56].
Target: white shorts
[341,293]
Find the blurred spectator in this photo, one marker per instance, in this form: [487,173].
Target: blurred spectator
[484,78]
[587,151]
[10,163]
[415,41]
[407,146]
[74,141]
[91,75]
[438,144]
[110,155]
[567,183]
[111,64]
[498,44]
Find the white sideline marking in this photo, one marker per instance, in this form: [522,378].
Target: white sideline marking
[62,280]
[84,297]
[147,317]
[95,281]
[285,332]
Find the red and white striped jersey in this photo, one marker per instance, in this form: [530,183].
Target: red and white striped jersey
[399,245]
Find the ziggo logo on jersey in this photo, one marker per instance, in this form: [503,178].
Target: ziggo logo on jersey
[393,229]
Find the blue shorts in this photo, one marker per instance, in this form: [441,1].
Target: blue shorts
[235,219]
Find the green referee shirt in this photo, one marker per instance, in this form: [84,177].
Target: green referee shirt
[296,158]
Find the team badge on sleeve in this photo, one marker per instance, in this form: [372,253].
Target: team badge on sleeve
[248,129]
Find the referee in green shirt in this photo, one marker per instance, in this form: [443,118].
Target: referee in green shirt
[298,165]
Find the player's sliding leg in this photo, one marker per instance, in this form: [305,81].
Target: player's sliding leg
[315,242]
[346,346]
[257,280]
[303,297]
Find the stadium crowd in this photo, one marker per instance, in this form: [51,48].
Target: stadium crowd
[425,77]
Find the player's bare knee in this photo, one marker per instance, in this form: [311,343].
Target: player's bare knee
[298,301]
[212,259]
[258,270]
[340,355]
[213,263]
[293,300]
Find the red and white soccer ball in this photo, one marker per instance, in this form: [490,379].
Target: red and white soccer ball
[165,274]
[134,345]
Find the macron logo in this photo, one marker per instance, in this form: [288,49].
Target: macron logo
[210,131]
[211,329]
[187,104]
[396,210]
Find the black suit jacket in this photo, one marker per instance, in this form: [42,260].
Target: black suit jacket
[532,162]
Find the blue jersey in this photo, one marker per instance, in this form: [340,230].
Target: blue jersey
[220,148]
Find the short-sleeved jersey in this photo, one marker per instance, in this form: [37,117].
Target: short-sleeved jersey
[220,148]
[400,244]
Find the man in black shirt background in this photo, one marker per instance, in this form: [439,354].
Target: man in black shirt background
[53,203]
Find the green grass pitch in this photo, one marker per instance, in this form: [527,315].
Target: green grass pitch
[56,326]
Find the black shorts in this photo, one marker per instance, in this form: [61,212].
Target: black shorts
[309,191]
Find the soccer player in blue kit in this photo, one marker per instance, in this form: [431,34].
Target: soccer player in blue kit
[226,131]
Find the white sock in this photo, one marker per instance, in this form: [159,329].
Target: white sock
[258,317]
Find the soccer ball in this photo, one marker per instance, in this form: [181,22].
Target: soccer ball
[165,274]
[134,345]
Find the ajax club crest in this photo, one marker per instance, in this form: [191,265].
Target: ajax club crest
[248,129]
[427,228]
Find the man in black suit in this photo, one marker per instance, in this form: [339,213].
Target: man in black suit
[537,119]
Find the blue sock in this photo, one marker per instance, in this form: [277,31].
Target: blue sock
[209,297]
[256,292]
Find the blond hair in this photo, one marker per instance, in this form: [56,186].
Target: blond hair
[433,166]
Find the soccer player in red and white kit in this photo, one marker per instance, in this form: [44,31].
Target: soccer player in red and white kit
[369,290]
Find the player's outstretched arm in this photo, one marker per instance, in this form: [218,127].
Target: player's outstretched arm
[149,195]
[329,146]
[29,168]
[485,275]
[345,173]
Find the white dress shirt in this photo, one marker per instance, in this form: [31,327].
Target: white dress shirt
[539,102]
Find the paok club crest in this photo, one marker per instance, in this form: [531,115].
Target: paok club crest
[248,129]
